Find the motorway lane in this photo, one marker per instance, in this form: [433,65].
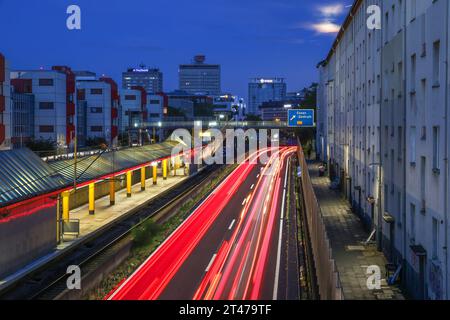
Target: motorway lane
[153,276]
[231,232]
[245,267]
[185,283]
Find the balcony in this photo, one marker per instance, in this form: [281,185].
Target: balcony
[114,113]
[70,132]
[114,132]
[2,104]
[2,133]
[70,109]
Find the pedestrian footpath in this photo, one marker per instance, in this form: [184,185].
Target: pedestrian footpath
[347,237]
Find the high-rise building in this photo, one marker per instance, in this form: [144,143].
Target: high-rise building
[383,127]
[264,90]
[54,93]
[151,79]
[199,77]
[5,105]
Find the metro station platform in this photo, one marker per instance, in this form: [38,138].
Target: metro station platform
[105,214]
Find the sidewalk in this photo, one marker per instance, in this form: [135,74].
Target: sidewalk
[104,215]
[347,237]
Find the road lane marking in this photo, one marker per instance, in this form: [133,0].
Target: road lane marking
[280,236]
[243,202]
[211,262]
[251,188]
[232,224]
[257,176]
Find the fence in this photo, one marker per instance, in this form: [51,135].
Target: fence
[326,272]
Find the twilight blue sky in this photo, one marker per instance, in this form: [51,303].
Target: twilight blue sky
[249,38]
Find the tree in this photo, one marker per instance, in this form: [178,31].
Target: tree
[96,142]
[43,147]
[175,112]
[309,101]
[204,110]
[252,117]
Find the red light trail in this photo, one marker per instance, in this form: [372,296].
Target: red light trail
[246,252]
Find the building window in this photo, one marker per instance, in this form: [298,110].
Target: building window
[96,110]
[413,9]
[46,82]
[436,151]
[436,62]
[386,28]
[413,73]
[96,128]
[46,129]
[130,97]
[386,197]
[46,105]
[412,142]
[435,236]
[96,91]
[423,182]
[412,223]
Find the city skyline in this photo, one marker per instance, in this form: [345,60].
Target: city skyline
[242,38]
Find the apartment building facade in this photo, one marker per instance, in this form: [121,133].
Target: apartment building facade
[97,106]
[54,93]
[22,118]
[383,129]
[133,113]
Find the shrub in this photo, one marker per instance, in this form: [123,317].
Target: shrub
[143,234]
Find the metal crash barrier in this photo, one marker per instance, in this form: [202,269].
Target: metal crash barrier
[327,275]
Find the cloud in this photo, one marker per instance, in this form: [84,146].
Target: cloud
[326,22]
[324,27]
[332,10]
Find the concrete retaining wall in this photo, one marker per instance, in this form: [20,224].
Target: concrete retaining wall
[26,234]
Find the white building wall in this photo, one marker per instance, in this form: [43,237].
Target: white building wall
[381,115]
[56,94]
[425,194]
[155,107]
[98,112]
[129,105]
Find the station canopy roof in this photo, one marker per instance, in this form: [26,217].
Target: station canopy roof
[24,175]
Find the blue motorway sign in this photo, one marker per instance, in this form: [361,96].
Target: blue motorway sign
[301,118]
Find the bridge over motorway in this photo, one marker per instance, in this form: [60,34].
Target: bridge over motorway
[219,124]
